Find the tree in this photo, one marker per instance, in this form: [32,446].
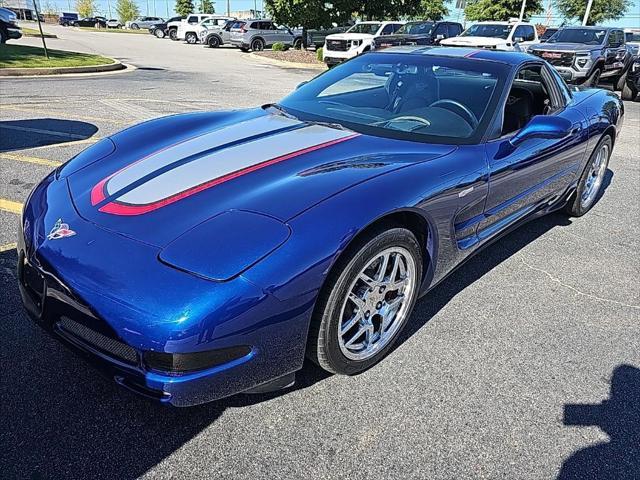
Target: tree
[433,9]
[601,10]
[184,7]
[127,10]
[206,6]
[85,8]
[478,10]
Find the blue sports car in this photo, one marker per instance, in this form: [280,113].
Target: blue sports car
[201,255]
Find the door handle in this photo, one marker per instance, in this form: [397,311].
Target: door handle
[575,130]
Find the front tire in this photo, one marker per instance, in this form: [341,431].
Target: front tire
[366,302]
[159,33]
[213,41]
[591,180]
[134,26]
[191,38]
[173,34]
[593,79]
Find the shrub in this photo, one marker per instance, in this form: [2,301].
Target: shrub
[278,47]
[319,54]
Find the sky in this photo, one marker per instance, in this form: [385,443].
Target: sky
[164,8]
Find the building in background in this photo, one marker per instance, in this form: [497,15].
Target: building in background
[24,9]
[242,14]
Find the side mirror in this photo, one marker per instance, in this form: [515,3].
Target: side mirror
[518,39]
[542,126]
[439,37]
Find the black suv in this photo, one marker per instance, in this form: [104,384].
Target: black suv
[584,55]
[8,25]
[419,33]
[96,22]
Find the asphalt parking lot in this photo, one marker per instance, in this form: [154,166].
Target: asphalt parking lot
[501,372]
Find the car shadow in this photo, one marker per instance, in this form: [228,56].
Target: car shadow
[60,419]
[39,132]
[618,417]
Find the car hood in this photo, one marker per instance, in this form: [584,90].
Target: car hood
[473,41]
[402,38]
[566,47]
[159,179]
[349,36]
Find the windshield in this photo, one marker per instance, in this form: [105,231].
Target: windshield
[370,28]
[548,33]
[416,28]
[588,36]
[413,97]
[493,30]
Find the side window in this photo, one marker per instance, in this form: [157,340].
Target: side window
[441,30]
[387,30]
[453,30]
[192,19]
[562,85]
[525,32]
[396,27]
[255,25]
[529,96]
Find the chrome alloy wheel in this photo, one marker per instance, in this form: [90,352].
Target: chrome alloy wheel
[595,176]
[377,304]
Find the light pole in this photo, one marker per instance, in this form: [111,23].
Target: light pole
[44,44]
[587,12]
[524,5]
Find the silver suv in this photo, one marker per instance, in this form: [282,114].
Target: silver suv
[257,34]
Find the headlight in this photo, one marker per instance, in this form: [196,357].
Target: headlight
[582,60]
[356,43]
[226,245]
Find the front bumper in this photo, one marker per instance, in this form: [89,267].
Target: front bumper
[84,292]
[14,33]
[570,74]
[333,57]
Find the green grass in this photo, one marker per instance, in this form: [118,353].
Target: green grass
[115,30]
[21,56]
[32,32]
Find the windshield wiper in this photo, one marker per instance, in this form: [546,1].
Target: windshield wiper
[280,110]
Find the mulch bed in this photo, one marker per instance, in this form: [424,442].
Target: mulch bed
[291,55]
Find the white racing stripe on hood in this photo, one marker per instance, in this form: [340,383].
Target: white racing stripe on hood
[229,160]
[215,138]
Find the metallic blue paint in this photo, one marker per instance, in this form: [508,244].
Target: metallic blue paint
[251,277]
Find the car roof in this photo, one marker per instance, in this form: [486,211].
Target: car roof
[510,58]
[589,27]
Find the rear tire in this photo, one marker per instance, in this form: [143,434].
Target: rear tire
[191,38]
[173,34]
[620,82]
[213,41]
[590,182]
[159,33]
[134,26]
[297,44]
[373,310]
[257,45]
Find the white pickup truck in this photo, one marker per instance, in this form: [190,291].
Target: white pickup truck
[358,39]
[496,36]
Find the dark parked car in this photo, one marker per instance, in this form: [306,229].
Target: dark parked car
[548,33]
[161,30]
[97,22]
[631,85]
[8,25]
[584,55]
[67,18]
[419,33]
[315,37]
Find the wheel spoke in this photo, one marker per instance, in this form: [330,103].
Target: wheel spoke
[359,303]
[391,310]
[383,267]
[370,282]
[351,322]
[351,342]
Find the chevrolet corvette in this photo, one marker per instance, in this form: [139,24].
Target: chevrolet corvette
[200,255]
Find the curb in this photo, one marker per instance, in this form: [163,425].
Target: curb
[21,72]
[46,35]
[282,63]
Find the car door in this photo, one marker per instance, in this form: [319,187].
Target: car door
[615,51]
[524,35]
[440,33]
[539,170]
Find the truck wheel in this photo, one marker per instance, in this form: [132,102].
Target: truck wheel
[191,38]
[159,33]
[173,34]
[593,79]
[257,45]
[629,92]
[297,43]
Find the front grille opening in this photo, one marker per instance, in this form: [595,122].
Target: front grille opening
[98,341]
